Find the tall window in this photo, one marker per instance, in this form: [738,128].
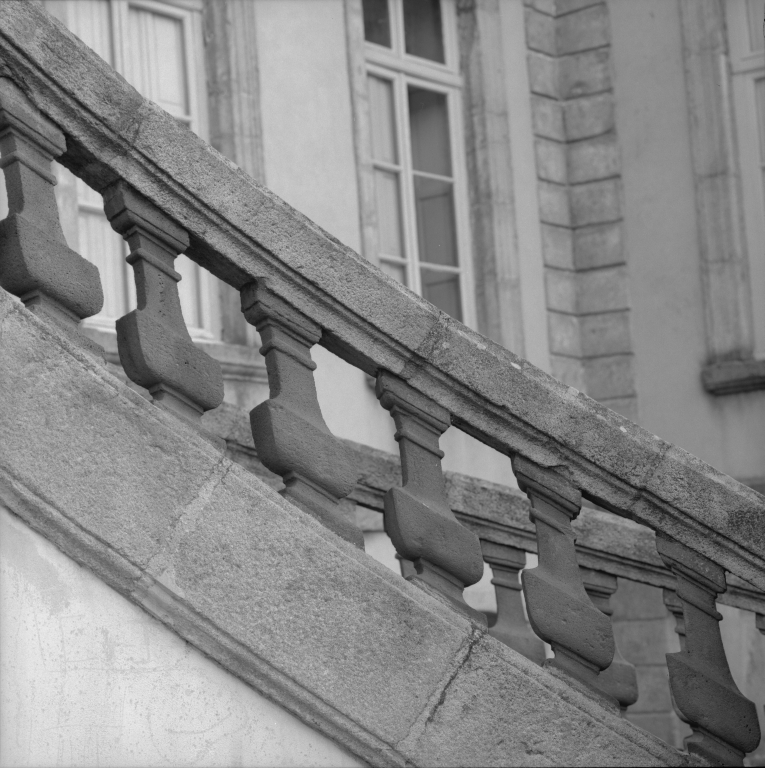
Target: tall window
[413,86]
[747,54]
[157,47]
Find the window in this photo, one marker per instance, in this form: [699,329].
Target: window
[157,47]
[413,89]
[747,55]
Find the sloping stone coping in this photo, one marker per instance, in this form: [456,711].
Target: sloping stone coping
[309,620]
[240,231]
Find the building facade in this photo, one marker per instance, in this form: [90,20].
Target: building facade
[583,182]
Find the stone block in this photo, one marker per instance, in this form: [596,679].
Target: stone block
[543,74]
[592,159]
[653,684]
[540,31]
[130,497]
[646,641]
[609,377]
[561,290]
[551,160]
[487,706]
[557,247]
[543,6]
[582,74]
[596,202]
[605,334]
[602,290]
[570,6]
[568,370]
[547,118]
[589,116]
[599,245]
[637,601]
[582,29]
[554,204]
[564,334]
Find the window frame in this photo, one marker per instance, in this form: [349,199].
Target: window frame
[747,67]
[403,70]
[189,13]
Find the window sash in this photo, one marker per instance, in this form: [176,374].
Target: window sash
[404,71]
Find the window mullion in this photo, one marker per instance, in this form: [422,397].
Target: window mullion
[407,184]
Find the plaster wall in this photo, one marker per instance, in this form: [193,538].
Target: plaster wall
[662,244]
[89,679]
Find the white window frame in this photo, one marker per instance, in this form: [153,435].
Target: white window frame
[402,69]
[189,13]
[747,67]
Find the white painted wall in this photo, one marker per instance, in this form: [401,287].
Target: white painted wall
[89,679]
[662,248]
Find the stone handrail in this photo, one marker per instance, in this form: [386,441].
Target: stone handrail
[500,515]
[167,192]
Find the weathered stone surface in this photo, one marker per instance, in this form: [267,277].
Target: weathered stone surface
[589,116]
[583,29]
[547,118]
[258,585]
[582,74]
[241,231]
[540,31]
[483,692]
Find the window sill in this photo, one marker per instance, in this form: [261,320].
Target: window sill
[734,377]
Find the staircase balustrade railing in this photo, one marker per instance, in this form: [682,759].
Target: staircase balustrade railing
[168,192]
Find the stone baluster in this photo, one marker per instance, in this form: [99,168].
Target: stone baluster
[559,609]
[724,722]
[511,626]
[446,555]
[290,435]
[36,264]
[154,345]
[620,679]
[675,607]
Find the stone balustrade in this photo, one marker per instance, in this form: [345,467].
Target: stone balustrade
[167,192]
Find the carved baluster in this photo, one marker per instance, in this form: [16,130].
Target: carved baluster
[559,609]
[35,262]
[290,435]
[620,679]
[422,527]
[511,626]
[724,722]
[675,607]
[155,348]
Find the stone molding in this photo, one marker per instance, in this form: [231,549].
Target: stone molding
[719,210]
[240,232]
[388,672]
[581,207]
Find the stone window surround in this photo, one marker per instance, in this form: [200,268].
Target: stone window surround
[731,367]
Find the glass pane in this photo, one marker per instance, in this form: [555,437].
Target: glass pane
[155,60]
[422,29]
[429,125]
[377,22]
[755,13]
[759,94]
[90,20]
[443,290]
[436,234]
[396,271]
[382,119]
[388,212]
